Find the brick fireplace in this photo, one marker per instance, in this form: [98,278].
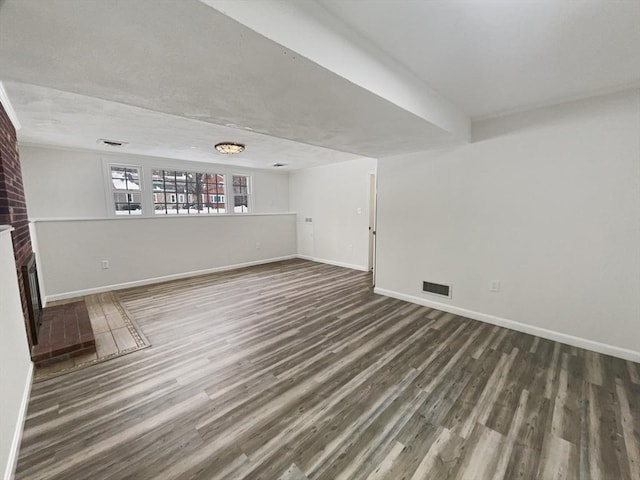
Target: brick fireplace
[13,209]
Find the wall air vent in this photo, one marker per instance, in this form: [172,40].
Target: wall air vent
[111,143]
[437,289]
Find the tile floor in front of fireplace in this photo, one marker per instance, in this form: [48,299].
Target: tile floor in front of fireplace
[114,335]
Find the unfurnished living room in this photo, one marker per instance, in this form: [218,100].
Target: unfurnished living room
[320,239]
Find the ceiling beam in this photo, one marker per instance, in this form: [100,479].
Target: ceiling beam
[308,29]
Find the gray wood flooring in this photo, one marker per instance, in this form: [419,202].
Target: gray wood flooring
[296,370]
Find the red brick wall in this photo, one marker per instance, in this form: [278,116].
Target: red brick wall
[13,209]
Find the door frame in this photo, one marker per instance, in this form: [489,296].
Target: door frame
[373,220]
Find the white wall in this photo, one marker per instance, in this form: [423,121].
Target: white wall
[62,183]
[331,196]
[141,250]
[15,361]
[546,202]
[74,227]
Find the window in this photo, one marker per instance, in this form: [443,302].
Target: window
[240,193]
[126,190]
[187,193]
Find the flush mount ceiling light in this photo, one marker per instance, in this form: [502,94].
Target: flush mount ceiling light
[229,148]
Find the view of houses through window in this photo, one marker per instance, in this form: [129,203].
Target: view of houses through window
[177,192]
[126,191]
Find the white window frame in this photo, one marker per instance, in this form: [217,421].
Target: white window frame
[185,198]
[110,190]
[229,181]
[149,198]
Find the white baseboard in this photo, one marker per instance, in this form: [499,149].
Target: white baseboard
[599,347]
[333,262]
[165,278]
[12,461]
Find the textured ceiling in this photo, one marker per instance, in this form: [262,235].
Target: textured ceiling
[172,78]
[188,60]
[63,119]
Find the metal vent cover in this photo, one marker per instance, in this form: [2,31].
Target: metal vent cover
[437,289]
[111,143]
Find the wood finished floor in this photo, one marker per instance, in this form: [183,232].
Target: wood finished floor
[297,370]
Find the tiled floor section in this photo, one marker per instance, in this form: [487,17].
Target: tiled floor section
[115,334]
[65,333]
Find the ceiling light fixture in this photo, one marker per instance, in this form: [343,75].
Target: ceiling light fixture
[229,148]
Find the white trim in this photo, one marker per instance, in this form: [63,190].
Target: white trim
[333,262]
[12,461]
[36,250]
[165,278]
[231,204]
[111,190]
[6,103]
[4,229]
[141,217]
[599,347]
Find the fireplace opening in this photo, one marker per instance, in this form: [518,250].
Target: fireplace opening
[32,292]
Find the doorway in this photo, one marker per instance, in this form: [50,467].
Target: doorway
[372,225]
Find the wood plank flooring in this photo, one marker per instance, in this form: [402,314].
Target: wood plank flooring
[296,371]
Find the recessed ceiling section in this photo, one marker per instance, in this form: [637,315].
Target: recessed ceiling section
[63,119]
[189,60]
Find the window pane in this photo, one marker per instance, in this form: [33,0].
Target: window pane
[241,204]
[239,180]
[214,192]
[240,185]
[240,193]
[125,185]
[125,178]
[187,193]
[127,203]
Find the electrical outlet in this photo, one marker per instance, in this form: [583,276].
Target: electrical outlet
[494,286]
[104,264]
[359,211]
[258,246]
